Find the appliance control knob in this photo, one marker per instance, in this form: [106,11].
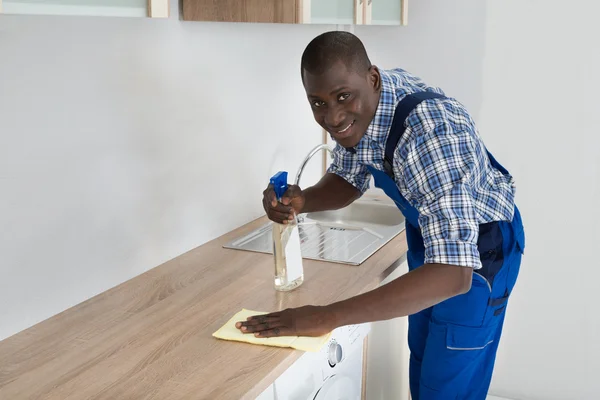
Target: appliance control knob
[335,354]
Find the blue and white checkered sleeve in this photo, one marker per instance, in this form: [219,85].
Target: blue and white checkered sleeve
[437,174]
[346,165]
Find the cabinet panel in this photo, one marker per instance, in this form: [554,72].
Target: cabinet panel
[388,353]
[332,12]
[276,11]
[386,12]
[103,8]
[109,8]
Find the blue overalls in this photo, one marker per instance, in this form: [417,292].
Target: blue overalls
[453,344]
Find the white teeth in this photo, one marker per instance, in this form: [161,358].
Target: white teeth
[346,128]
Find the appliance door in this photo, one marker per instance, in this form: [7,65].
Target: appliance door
[338,387]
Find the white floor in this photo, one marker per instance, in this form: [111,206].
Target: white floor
[495,398]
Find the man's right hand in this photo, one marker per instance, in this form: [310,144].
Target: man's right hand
[291,203]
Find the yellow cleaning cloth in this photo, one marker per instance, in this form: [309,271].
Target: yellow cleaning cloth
[230,332]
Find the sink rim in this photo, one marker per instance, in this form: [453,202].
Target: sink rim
[383,233]
[357,222]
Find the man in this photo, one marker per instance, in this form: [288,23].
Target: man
[464,232]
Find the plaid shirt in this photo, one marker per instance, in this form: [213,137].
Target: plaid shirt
[441,168]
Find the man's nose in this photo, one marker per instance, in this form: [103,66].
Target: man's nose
[335,118]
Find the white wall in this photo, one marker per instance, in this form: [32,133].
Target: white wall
[128,141]
[528,71]
[540,115]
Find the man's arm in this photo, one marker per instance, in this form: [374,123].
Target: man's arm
[345,181]
[417,290]
[412,292]
[332,192]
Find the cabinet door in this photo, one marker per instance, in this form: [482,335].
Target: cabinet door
[276,11]
[386,12]
[109,8]
[331,11]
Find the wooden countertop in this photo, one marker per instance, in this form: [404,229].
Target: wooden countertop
[151,337]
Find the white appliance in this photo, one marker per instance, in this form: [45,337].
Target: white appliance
[334,373]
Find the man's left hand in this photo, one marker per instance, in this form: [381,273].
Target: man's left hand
[303,321]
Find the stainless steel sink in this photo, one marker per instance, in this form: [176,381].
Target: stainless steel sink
[349,235]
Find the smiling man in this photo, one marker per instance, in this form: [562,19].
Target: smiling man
[464,232]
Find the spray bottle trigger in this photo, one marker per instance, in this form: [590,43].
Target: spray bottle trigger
[280,185]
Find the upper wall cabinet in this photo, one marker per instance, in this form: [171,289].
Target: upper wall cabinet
[344,12]
[108,8]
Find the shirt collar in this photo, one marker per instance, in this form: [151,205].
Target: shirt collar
[385,109]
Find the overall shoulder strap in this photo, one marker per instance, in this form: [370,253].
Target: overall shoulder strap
[404,107]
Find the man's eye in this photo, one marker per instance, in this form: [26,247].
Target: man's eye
[318,103]
[343,96]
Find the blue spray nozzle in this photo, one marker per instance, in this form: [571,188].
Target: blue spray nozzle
[279,182]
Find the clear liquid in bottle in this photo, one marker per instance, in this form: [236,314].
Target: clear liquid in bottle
[289,271]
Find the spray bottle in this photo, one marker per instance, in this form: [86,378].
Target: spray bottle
[289,272]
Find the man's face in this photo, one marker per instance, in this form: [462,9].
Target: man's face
[343,102]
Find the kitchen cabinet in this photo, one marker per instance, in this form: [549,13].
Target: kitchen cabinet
[107,8]
[388,353]
[338,12]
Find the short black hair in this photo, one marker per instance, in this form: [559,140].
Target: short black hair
[329,47]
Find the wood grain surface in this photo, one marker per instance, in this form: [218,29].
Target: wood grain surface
[150,337]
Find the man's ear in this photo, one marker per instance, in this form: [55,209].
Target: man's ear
[374,77]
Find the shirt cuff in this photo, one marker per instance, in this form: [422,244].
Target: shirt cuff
[463,254]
